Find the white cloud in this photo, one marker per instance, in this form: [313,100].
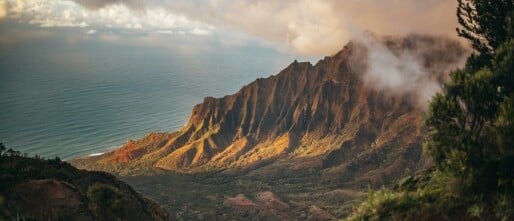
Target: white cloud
[153,19]
[171,32]
[194,31]
[57,23]
[58,13]
[199,31]
[91,32]
[133,26]
[3,9]
[308,27]
[314,27]
[404,70]
[16,7]
[11,8]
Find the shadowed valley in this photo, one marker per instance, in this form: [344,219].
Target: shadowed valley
[302,144]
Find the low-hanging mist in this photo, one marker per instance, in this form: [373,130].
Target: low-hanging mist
[408,69]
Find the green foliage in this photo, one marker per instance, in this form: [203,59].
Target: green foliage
[107,201]
[486,24]
[504,70]
[470,125]
[15,169]
[469,122]
[504,208]
[106,197]
[2,149]
[437,198]
[476,210]
[423,204]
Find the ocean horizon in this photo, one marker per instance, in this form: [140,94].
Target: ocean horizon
[98,103]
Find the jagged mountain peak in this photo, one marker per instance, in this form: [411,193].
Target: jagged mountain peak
[324,114]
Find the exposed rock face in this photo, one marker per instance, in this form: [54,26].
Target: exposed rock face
[319,116]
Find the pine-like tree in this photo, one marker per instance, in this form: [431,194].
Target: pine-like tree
[470,121]
[486,24]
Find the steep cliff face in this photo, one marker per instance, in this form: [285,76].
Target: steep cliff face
[313,116]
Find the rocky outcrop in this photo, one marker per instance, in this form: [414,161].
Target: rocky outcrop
[320,116]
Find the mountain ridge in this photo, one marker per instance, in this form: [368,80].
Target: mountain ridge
[313,137]
[322,116]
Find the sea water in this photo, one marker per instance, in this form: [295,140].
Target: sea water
[71,104]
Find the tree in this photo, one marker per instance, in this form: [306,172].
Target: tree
[456,121]
[2,149]
[486,24]
[470,121]
[504,131]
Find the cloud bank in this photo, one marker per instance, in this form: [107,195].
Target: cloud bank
[12,7]
[321,27]
[103,16]
[308,27]
[413,66]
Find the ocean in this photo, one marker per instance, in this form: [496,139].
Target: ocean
[76,103]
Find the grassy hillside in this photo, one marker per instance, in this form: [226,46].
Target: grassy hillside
[38,189]
[432,196]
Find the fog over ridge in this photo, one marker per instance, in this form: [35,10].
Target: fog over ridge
[414,65]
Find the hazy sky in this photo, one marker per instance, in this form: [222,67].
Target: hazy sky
[211,47]
[302,27]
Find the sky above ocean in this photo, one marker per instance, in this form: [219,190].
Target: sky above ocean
[84,76]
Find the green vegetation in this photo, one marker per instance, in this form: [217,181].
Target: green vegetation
[204,196]
[430,196]
[40,189]
[16,169]
[471,125]
[487,25]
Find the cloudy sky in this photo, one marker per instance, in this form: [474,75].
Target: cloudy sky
[301,27]
[66,65]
